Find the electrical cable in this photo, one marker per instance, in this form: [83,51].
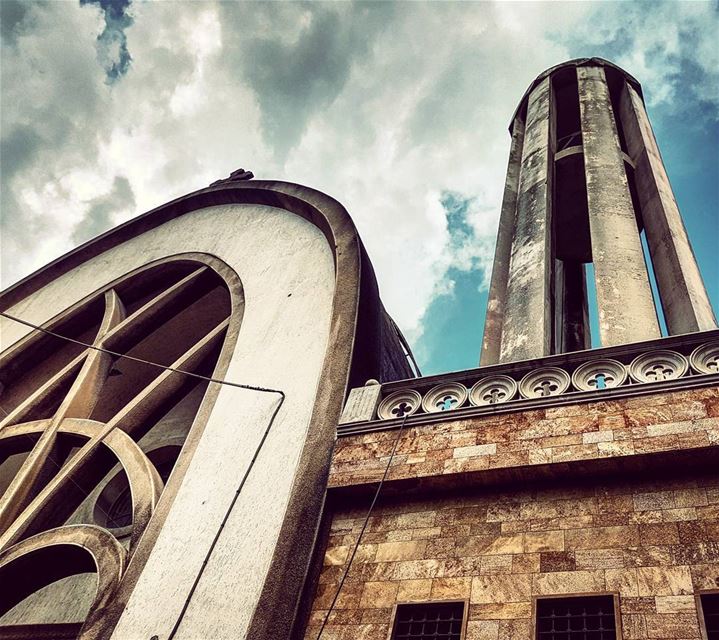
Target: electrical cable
[364,526]
[116,354]
[201,377]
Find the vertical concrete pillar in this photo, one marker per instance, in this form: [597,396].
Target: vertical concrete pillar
[624,297]
[527,316]
[684,299]
[491,342]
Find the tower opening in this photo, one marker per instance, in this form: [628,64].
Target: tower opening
[571,240]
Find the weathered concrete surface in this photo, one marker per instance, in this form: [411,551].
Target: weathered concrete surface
[527,318]
[624,296]
[282,345]
[361,404]
[492,339]
[684,299]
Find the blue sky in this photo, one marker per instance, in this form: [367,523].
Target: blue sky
[109,108]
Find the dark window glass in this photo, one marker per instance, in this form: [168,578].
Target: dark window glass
[578,618]
[120,512]
[429,621]
[710,609]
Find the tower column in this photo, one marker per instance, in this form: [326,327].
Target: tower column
[492,339]
[684,299]
[624,297]
[527,317]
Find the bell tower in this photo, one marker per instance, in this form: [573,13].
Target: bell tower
[585,180]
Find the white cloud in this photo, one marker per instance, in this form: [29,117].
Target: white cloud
[383,106]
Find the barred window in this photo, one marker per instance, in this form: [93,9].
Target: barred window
[429,621]
[710,611]
[576,618]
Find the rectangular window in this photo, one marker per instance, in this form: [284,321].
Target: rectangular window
[429,621]
[710,613]
[576,618]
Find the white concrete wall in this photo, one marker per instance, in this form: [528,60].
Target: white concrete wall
[281,345]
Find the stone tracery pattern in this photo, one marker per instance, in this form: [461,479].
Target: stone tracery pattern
[590,376]
[70,414]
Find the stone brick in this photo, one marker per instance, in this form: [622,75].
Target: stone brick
[450,588]
[379,594]
[705,576]
[655,500]
[414,569]
[675,604]
[393,551]
[567,582]
[474,451]
[664,581]
[674,625]
[501,588]
[502,545]
[634,627]
[525,562]
[602,537]
[594,437]
[336,555]
[482,630]
[515,629]
[544,541]
[500,611]
[599,558]
[657,534]
[376,616]
[440,548]
[496,564]
[414,590]
[622,580]
[557,561]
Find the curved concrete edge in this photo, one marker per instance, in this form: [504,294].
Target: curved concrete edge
[576,62]
[106,552]
[275,613]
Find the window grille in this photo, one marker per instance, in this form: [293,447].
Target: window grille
[576,618]
[429,621]
[710,609]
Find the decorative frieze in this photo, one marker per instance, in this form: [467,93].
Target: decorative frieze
[548,381]
[658,365]
[522,385]
[599,374]
[444,397]
[705,358]
[399,404]
[493,390]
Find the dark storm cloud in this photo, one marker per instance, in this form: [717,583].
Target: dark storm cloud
[18,151]
[296,76]
[112,52]
[12,13]
[99,216]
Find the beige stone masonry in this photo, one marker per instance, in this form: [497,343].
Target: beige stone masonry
[592,431]
[654,543]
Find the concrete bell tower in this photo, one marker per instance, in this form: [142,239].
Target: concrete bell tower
[585,179]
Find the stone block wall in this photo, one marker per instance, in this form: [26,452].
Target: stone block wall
[653,542]
[573,433]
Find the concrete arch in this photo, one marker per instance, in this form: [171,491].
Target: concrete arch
[59,553]
[355,314]
[145,483]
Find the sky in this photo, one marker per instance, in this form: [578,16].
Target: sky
[109,108]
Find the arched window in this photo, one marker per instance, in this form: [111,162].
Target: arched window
[89,435]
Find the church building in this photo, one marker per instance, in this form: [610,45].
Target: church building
[210,427]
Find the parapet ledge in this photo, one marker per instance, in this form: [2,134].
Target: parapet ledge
[667,364]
